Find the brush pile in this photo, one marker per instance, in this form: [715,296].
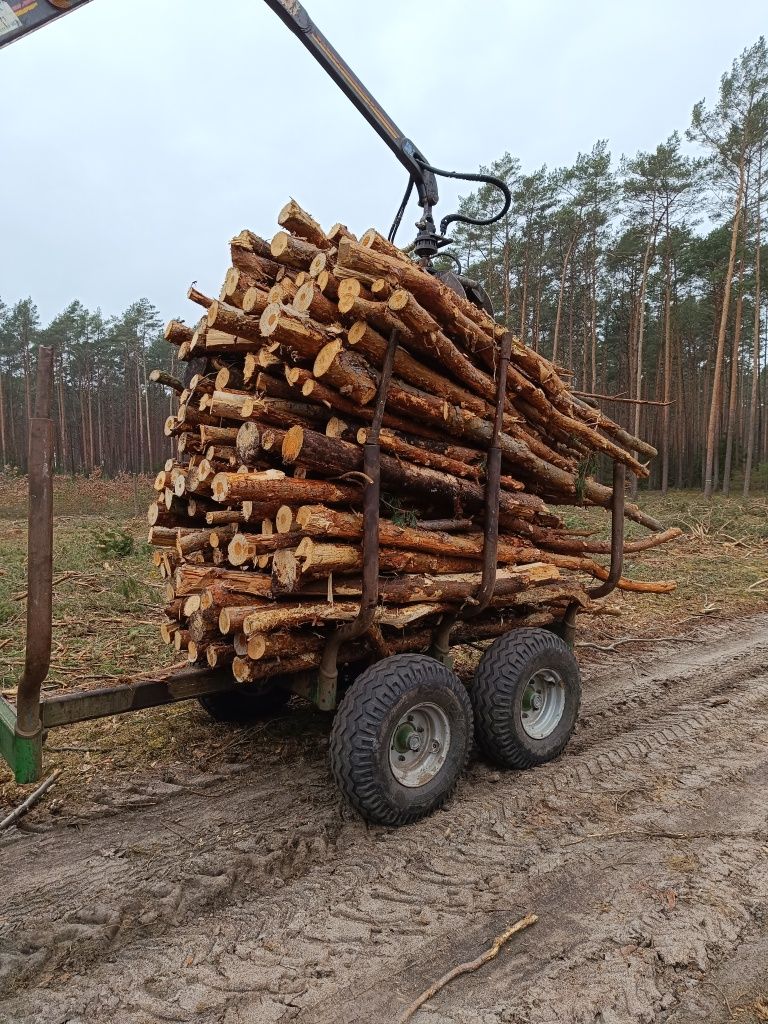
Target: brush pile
[258,523]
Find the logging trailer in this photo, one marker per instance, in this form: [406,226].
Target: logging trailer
[403,731]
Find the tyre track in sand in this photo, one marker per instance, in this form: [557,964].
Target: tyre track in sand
[267,903]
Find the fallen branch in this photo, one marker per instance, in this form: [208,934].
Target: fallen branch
[638,640]
[644,833]
[471,965]
[31,800]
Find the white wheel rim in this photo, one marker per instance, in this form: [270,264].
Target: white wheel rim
[543,703]
[419,745]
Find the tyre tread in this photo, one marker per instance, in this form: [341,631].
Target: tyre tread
[494,684]
[366,702]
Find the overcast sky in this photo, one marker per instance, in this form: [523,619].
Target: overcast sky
[138,136]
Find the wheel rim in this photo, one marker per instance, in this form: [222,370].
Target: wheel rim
[543,703]
[419,745]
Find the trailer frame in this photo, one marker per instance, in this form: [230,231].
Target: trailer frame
[24,724]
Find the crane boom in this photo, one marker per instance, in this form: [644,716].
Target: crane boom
[295,17]
[20,17]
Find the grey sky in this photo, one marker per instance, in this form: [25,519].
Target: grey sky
[139,135]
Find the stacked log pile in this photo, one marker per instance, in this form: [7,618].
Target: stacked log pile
[258,523]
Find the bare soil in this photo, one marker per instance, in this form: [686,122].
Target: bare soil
[245,893]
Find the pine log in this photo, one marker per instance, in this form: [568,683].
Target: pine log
[393,443]
[320,559]
[203,625]
[352,288]
[461,587]
[177,332]
[285,572]
[218,435]
[292,252]
[330,397]
[252,242]
[190,578]
[197,296]
[246,547]
[320,452]
[246,671]
[323,261]
[366,340]
[347,372]
[248,443]
[282,292]
[231,619]
[381,289]
[425,334]
[194,540]
[228,405]
[328,284]
[289,616]
[311,301]
[264,487]
[263,268]
[371,239]
[276,645]
[218,595]
[219,655]
[255,300]
[166,380]
[234,322]
[339,231]
[300,223]
[294,334]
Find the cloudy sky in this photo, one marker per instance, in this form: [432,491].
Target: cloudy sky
[137,136]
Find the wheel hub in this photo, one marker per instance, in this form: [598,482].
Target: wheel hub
[419,745]
[543,703]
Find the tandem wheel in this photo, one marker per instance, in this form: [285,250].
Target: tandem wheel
[526,698]
[401,738]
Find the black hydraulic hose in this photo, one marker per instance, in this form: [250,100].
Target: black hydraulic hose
[488,179]
[401,211]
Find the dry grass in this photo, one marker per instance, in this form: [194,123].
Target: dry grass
[106,603]
[106,613]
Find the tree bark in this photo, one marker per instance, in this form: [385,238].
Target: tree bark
[717,378]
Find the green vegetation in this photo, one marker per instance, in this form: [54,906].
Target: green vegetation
[645,278]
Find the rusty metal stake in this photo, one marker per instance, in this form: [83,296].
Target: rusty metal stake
[617,534]
[328,672]
[37,655]
[441,640]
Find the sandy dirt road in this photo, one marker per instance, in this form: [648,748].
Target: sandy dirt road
[244,897]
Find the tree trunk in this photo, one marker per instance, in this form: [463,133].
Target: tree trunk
[714,409]
[561,293]
[752,425]
[641,334]
[733,392]
[667,362]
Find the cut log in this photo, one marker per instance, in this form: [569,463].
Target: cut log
[177,332]
[264,487]
[292,252]
[311,301]
[347,372]
[300,223]
[166,380]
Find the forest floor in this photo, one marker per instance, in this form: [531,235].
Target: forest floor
[187,870]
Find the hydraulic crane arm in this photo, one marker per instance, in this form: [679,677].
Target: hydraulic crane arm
[20,17]
[295,17]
